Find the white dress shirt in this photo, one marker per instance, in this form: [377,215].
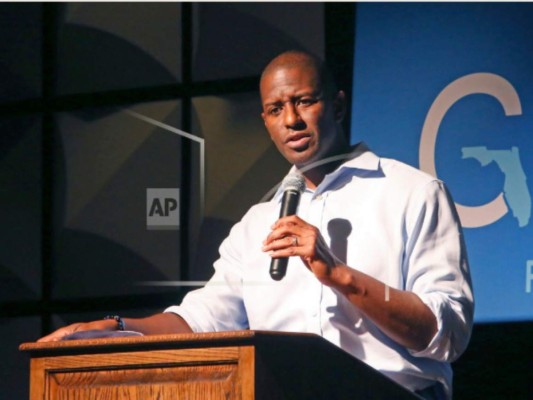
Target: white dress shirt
[384,218]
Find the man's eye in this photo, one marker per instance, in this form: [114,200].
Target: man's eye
[274,110]
[306,102]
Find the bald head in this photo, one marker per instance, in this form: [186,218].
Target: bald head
[300,59]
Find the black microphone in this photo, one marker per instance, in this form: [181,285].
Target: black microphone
[293,185]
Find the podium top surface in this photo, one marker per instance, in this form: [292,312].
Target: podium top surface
[178,340]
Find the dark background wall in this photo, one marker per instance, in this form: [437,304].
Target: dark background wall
[75,165]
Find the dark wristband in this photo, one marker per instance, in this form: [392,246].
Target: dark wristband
[120,322]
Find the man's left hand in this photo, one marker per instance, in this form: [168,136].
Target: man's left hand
[292,236]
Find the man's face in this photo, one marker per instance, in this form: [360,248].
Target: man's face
[299,117]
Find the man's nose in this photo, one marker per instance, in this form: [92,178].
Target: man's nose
[292,116]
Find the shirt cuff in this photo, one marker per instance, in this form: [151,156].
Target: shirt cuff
[438,347]
[182,312]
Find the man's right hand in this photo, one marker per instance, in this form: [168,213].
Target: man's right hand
[102,325]
[157,324]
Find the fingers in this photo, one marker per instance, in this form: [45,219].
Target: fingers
[287,228]
[291,220]
[282,243]
[290,236]
[60,333]
[279,249]
[294,240]
[53,337]
[103,325]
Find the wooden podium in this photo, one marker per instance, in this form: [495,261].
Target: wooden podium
[227,365]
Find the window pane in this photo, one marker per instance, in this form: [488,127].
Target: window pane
[20,208]
[106,161]
[20,47]
[237,40]
[118,46]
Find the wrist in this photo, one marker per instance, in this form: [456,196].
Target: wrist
[345,280]
[119,322]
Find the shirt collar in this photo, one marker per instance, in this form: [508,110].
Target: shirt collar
[360,158]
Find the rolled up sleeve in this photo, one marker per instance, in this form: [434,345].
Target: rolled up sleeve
[436,269]
[218,306]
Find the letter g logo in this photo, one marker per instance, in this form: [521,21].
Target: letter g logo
[478,83]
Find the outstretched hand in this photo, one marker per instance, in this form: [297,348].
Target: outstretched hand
[292,236]
[103,325]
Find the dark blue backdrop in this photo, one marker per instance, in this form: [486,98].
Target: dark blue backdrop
[407,58]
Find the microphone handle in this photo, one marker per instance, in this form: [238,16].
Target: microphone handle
[289,205]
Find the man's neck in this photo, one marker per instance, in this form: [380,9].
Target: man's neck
[313,177]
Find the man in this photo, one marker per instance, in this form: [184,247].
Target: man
[377,261]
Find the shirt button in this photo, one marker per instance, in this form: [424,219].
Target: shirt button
[319,197]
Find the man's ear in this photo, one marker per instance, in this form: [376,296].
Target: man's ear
[339,104]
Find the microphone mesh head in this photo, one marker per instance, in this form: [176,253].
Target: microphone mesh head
[294,181]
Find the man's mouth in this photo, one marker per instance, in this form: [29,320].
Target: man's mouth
[298,141]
